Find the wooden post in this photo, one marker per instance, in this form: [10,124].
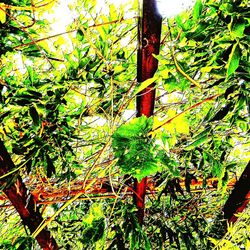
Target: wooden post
[149,30]
[23,200]
[239,197]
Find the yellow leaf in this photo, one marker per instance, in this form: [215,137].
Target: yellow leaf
[2,13]
[181,124]
[101,32]
[167,127]
[89,219]
[156,123]
[248,244]
[208,69]
[60,41]
[2,133]
[173,124]
[172,141]
[171,113]
[170,127]
[145,84]
[214,241]
[45,45]
[165,73]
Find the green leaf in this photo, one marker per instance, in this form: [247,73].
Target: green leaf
[223,112]
[226,7]
[134,148]
[216,167]
[31,73]
[79,35]
[169,163]
[197,9]
[234,60]
[137,127]
[199,139]
[24,243]
[218,170]
[171,84]
[238,30]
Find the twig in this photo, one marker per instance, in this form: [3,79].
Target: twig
[183,112]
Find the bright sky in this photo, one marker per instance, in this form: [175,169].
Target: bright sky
[166,7]
[63,16]
[169,8]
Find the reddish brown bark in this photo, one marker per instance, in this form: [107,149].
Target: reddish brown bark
[239,197]
[149,41]
[22,200]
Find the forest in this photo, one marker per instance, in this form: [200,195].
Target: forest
[123,127]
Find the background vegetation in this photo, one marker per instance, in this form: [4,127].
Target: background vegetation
[67,108]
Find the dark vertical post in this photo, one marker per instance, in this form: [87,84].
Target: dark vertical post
[239,197]
[22,200]
[149,30]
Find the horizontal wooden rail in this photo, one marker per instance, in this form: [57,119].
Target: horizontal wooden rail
[49,193]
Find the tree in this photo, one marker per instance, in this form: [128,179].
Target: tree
[64,100]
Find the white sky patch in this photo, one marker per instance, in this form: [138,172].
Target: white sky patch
[61,15]
[104,3]
[128,114]
[102,6]
[169,8]
[95,121]
[125,41]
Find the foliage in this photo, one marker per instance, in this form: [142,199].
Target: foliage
[210,55]
[86,219]
[64,98]
[127,234]
[134,149]
[237,235]
[137,155]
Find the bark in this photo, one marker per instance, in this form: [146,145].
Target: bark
[149,30]
[239,197]
[22,200]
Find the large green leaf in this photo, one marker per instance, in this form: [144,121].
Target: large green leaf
[134,148]
[233,60]
[197,9]
[238,30]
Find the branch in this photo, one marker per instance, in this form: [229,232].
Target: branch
[71,31]
[183,73]
[185,111]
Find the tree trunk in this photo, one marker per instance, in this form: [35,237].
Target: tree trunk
[149,30]
[23,200]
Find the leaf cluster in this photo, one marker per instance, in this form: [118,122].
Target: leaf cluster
[137,152]
[134,148]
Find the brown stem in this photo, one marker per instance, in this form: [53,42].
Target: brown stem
[186,110]
[70,31]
